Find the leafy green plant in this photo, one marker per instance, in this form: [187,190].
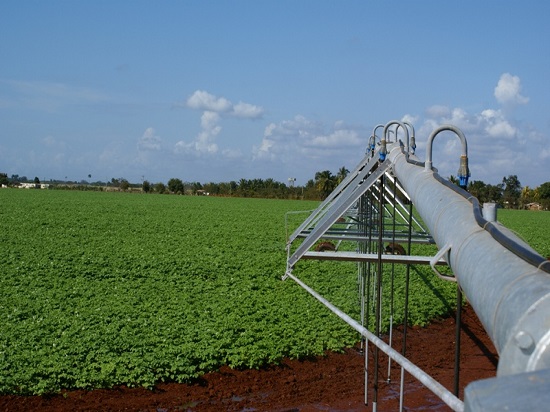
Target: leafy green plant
[102,289]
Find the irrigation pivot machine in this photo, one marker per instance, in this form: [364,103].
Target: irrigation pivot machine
[506,282]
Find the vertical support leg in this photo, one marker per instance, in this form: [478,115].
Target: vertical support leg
[457,338]
[379,286]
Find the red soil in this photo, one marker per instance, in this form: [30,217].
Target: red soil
[334,382]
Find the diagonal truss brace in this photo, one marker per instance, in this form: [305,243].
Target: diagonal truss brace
[362,168]
[346,199]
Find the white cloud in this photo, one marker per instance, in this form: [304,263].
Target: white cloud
[210,120]
[149,140]
[213,109]
[246,110]
[437,111]
[508,90]
[202,145]
[409,119]
[204,142]
[496,125]
[335,140]
[265,150]
[498,144]
[304,138]
[300,147]
[232,153]
[202,100]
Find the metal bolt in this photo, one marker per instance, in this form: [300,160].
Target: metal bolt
[524,340]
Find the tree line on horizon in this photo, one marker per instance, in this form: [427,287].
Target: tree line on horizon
[509,193]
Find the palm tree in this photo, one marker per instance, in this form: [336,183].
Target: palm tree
[324,182]
[342,174]
[243,187]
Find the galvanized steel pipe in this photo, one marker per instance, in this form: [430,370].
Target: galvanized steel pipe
[510,295]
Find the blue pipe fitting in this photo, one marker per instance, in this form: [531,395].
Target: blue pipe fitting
[383,151]
[372,145]
[463,172]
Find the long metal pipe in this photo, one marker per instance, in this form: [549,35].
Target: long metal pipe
[510,295]
[439,390]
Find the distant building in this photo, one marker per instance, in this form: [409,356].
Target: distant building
[533,206]
[33,185]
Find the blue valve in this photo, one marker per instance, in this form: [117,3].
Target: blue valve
[382,153]
[463,172]
[372,145]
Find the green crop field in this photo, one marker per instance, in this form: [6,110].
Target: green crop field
[103,289]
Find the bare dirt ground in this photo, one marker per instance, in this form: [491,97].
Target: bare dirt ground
[334,382]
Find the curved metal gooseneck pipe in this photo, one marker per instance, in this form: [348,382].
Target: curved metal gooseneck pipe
[463,171]
[440,129]
[410,149]
[372,140]
[383,142]
[399,124]
[376,128]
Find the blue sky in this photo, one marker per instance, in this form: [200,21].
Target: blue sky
[223,90]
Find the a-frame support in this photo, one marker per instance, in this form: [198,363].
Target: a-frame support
[364,179]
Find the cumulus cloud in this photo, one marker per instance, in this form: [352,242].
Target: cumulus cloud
[265,150]
[335,139]
[437,111]
[496,125]
[498,144]
[410,119]
[508,90]
[232,154]
[301,146]
[202,100]
[204,142]
[303,137]
[209,121]
[489,123]
[246,110]
[213,109]
[149,140]
[202,145]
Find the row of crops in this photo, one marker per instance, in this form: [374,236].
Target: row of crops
[104,289]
